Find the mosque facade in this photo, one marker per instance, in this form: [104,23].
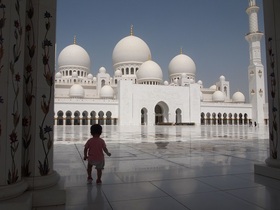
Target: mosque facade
[137,95]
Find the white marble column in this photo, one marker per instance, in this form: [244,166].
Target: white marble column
[272,40]
[39,94]
[12,27]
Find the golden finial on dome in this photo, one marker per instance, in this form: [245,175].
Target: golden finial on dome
[131,30]
[181,50]
[149,57]
[75,39]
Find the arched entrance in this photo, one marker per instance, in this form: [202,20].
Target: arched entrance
[108,118]
[93,118]
[178,116]
[161,113]
[76,118]
[202,118]
[101,118]
[144,116]
[85,118]
[68,118]
[60,118]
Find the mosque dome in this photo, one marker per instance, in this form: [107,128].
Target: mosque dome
[213,87]
[238,97]
[118,73]
[58,75]
[149,71]
[89,76]
[74,55]
[76,91]
[222,78]
[199,82]
[94,79]
[166,83]
[106,92]
[182,64]
[102,70]
[218,96]
[130,48]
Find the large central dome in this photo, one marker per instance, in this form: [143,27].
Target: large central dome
[74,55]
[131,49]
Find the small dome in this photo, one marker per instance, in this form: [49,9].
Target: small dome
[218,96]
[89,76]
[118,73]
[181,64]
[238,97]
[102,70]
[106,92]
[130,48]
[199,82]
[166,83]
[58,75]
[222,78]
[149,71]
[76,91]
[94,79]
[213,87]
[74,55]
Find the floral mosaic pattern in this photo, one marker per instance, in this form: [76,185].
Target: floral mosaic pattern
[2,24]
[28,90]
[46,135]
[273,133]
[16,79]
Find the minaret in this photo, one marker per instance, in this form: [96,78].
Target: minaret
[255,69]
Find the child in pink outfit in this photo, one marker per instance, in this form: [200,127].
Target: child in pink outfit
[93,152]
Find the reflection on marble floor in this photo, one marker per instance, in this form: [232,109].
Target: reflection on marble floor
[168,167]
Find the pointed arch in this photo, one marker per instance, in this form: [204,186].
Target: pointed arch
[202,118]
[60,118]
[224,118]
[68,118]
[108,118]
[178,116]
[76,118]
[144,116]
[92,117]
[161,113]
[85,118]
[219,119]
[101,118]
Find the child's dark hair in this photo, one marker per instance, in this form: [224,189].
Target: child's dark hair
[96,129]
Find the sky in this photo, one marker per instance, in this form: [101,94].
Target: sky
[212,33]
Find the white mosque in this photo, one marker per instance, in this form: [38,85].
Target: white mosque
[137,95]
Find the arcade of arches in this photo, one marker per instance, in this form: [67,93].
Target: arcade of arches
[105,118]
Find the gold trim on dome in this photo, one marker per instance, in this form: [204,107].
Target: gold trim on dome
[131,30]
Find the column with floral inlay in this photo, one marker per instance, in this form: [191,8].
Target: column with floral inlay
[12,25]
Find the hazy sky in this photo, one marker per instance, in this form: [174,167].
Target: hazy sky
[211,32]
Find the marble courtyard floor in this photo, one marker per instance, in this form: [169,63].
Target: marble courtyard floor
[168,167]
